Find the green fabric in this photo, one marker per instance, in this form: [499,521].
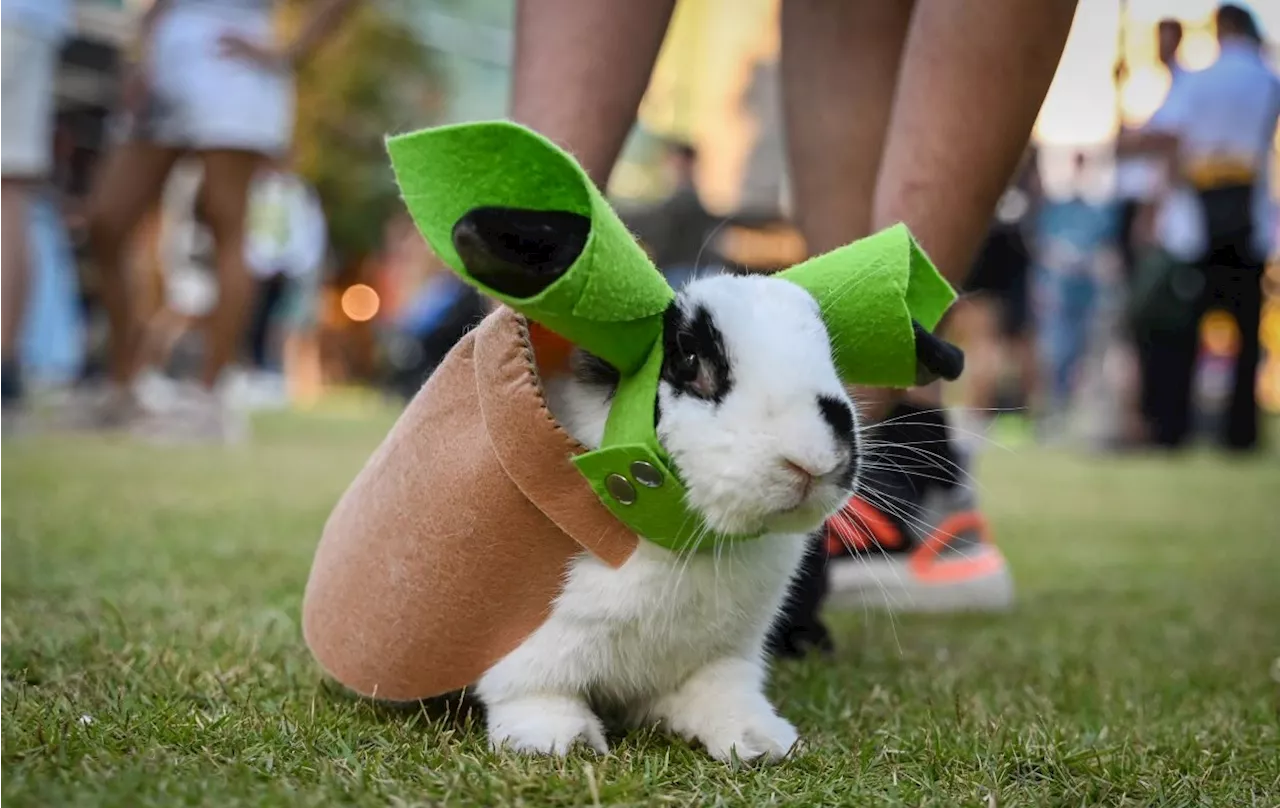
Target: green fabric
[630,436]
[869,292]
[611,300]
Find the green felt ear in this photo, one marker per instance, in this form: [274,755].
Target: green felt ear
[869,293]
[609,301]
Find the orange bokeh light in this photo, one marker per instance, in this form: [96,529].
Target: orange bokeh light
[360,303]
[1220,334]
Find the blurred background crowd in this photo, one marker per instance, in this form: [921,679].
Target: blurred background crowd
[1081,319]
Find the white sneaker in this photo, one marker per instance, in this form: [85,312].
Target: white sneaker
[194,414]
[256,390]
[103,407]
[155,390]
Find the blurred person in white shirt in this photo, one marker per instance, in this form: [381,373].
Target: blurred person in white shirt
[209,79]
[285,250]
[1216,131]
[33,31]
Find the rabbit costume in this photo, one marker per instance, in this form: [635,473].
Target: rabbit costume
[504,495]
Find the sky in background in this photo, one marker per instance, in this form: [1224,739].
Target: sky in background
[1081,108]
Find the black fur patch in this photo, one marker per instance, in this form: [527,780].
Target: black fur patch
[839,416]
[695,361]
[594,371]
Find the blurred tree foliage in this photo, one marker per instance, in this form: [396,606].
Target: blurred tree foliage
[371,77]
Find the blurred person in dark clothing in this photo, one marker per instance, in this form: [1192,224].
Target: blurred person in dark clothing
[436,316]
[1138,175]
[428,307]
[991,319]
[677,230]
[1142,186]
[1217,128]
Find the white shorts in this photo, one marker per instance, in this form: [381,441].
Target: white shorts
[202,100]
[30,65]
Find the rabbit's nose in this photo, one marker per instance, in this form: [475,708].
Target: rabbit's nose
[805,474]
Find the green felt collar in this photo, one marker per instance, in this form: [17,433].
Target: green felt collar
[610,300]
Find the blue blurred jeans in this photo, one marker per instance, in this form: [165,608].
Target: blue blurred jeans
[1064,305]
[53,329]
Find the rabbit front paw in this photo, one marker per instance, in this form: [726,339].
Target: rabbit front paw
[761,737]
[724,708]
[544,725]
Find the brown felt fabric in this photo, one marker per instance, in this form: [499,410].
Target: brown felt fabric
[451,544]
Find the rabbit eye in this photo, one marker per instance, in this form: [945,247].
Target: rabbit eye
[702,382]
[686,361]
[696,362]
[691,370]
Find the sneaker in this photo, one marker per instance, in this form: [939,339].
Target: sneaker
[104,407]
[155,390]
[193,414]
[914,540]
[257,390]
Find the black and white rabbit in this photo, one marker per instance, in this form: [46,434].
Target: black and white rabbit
[755,417]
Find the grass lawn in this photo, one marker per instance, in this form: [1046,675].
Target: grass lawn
[152,653]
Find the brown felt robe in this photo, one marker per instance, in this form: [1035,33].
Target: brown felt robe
[451,544]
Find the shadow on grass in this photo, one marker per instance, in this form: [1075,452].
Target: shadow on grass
[460,710]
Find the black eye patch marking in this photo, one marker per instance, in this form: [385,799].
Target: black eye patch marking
[839,416]
[695,361]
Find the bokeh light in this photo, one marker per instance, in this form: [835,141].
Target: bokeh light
[1220,333]
[1199,48]
[1143,93]
[360,303]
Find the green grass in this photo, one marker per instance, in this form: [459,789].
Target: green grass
[152,656]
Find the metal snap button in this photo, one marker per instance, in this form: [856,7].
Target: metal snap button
[646,474]
[620,488]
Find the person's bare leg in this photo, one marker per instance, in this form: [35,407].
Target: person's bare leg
[129,184]
[839,66]
[972,83]
[228,175]
[975,325]
[963,92]
[15,271]
[581,70]
[840,62]
[973,79]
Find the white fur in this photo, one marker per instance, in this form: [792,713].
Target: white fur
[678,639]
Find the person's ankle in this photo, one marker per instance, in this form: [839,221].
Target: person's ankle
[922,444]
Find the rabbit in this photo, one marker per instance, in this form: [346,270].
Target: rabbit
[758,423]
